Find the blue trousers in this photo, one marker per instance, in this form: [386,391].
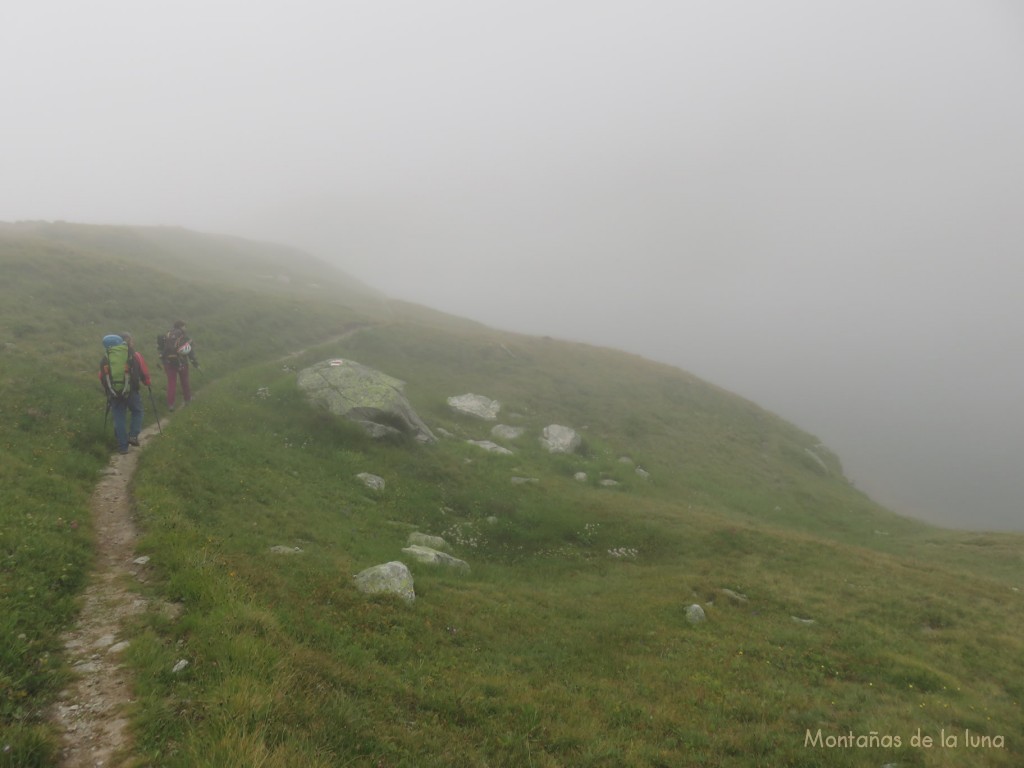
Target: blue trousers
[120,408]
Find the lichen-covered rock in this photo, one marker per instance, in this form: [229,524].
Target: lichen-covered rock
[505,432]
[364,395]
[388,578]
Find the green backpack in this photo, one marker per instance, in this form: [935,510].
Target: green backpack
[117,371]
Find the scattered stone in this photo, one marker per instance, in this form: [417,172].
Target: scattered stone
[425,540]
[559,439]
[798,620]
[366,396]
[624,552]
[373,482]
[643,473]
[608,483]
[180,665]
[433,557]
[263,393]
[505,432]
[141,560]
[580,477]
[282,550]
[492,520]
[388,578]
[118,647]
[737,597]
[625,460]
[376,430]
[695,614]
[487,445]
[475,405]
[444,432]
[524,480]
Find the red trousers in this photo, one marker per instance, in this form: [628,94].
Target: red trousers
[175,372]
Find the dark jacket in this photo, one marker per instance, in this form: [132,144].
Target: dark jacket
[173,341]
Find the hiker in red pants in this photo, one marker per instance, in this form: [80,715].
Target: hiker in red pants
[176,352]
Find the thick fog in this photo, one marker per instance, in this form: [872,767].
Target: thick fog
[817,205]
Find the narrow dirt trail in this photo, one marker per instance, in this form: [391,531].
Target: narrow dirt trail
[90,712]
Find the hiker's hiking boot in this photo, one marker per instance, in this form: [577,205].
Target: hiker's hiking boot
[133,440]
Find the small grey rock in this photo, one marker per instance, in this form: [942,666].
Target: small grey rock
[695,614]
[373,482]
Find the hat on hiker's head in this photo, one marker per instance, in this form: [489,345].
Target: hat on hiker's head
[128,338]
[179,323]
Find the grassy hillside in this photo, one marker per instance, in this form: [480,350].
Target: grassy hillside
[567,643]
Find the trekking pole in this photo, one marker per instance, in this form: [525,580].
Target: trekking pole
[106,412]
[152,401]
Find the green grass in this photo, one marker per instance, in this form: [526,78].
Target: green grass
[552,650]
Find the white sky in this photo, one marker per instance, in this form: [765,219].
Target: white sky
[814,203]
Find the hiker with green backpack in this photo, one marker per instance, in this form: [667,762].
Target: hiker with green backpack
[123,372]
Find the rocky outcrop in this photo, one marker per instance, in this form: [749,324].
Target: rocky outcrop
[366,396]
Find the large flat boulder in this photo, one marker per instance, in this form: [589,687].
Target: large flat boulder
[475,405]
[364,395]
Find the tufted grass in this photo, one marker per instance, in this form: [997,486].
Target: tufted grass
[552,650]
